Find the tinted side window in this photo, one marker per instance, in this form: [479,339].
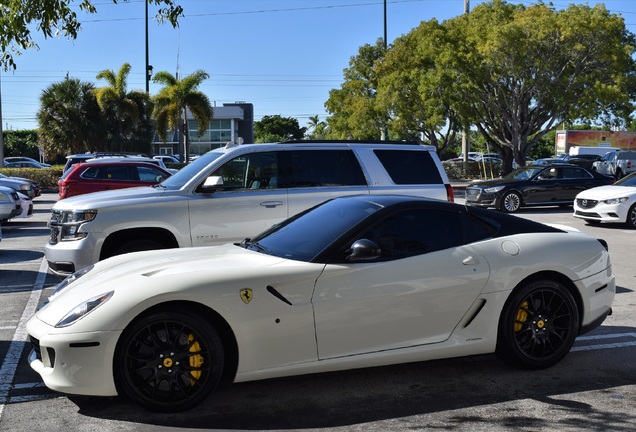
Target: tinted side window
[250,171]
[416,232]
[306,168]
[409,166]
[107,173]
[148,174]
[574,173]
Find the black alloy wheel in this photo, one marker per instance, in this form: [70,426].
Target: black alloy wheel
[538,325]
[168,361]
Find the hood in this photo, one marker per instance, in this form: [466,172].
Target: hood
[494,182]
[606,192]
[115,197]
[150,273]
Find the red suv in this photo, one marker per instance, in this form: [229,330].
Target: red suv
[103,174]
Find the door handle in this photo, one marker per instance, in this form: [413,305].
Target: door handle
[271,204]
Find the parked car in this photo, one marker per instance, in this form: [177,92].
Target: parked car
[354,282]
[613,204]
[616,163]
[25,164]
[235,192]
[9,204]
[26,205]
[12,159]
[167,158]
[28,187]
[534,185]
[107,174]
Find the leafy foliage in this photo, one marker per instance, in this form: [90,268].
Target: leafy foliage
[69,119]
[18,18]
[21,143]
[277,128]
[172,101]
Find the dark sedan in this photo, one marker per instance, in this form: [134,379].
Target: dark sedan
[535,185]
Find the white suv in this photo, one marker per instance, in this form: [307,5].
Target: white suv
[235,192]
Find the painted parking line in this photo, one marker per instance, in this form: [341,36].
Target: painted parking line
[627,340]
[11,359]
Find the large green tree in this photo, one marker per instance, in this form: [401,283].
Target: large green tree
[174,100]
[69,119]
[415,91]
[20,18]
[523,70]
[277,128]
[354,112]
[128,119]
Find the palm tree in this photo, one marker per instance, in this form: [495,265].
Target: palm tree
[173,102]
[69,119]
[124,110]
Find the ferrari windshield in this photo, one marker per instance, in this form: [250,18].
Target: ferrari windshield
[304,236]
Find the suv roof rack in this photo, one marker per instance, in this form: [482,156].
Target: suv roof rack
[348,142]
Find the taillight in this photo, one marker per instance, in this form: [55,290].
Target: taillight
[450,195]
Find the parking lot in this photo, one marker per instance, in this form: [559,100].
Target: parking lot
[593,388]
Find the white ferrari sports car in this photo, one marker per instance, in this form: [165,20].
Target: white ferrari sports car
[614,204]
[354,282]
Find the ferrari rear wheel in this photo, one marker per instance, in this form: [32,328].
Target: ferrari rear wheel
[510,202]
[168,361]
[538,325]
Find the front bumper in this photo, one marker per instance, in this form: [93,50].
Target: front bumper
[599,211]
[66,257]
[74,363]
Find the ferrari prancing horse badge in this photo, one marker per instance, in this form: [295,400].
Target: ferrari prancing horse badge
[246,295]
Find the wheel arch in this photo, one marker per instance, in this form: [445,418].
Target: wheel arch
[228,339]
[117,239]
[553,275]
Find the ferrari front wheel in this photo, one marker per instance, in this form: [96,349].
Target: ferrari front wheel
[168,361]
[538,325]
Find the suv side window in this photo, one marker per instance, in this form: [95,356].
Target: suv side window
[307,168]
[409,167]
[250,171]
[148,174]
[106,173]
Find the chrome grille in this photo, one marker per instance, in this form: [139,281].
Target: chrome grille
[586,203]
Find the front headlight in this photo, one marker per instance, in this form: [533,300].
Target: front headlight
[615,200]
[71,221]
[493,189]
[64,284]
[84,309]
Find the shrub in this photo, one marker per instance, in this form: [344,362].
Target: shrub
[46,177]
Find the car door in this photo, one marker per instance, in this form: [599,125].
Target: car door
[421,287]
[574,180]
[249,202]
[545,187]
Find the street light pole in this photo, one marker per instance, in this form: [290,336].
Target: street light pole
[466,130]
[148,69]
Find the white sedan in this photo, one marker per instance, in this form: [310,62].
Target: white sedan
[354,282]
[615,203]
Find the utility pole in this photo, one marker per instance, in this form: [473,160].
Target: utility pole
[1,132]
[466,131]
[384,134]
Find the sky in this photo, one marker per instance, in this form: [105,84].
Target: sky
[282,56]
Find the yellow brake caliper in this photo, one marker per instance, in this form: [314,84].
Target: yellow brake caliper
[196,360]
[521,317]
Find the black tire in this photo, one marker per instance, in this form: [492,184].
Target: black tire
[538,325]
[631,217]
[510,202]
[168,361]
[138,246]
[619,174]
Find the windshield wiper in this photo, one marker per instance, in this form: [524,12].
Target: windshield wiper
[252,245]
